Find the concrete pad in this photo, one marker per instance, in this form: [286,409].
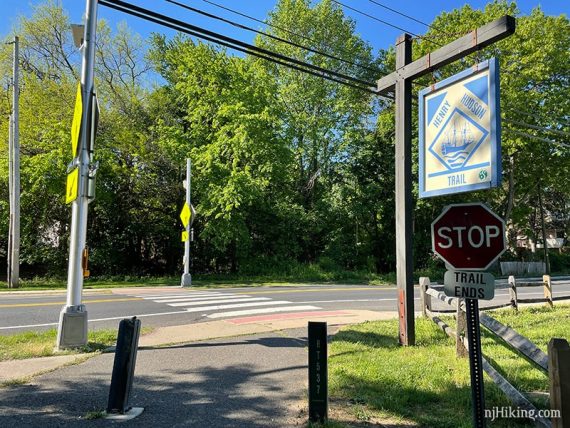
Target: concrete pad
[18,369]
[121,417]
[227,328]
[194,332]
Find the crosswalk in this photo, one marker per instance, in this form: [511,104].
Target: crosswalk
[214,304]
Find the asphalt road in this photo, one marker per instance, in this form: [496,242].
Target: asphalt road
[165,306]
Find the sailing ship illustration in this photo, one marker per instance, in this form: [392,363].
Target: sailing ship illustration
[455,146]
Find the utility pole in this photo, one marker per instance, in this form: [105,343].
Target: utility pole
[400,82]
[14,174]
[186,276]
[72,328]
[10,202]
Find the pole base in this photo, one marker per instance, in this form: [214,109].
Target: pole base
[186,280]
[72,328]
[131,414]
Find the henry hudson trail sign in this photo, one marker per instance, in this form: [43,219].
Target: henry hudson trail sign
[460,132]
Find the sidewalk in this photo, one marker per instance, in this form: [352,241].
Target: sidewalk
[214,374]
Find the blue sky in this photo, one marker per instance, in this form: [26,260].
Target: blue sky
[378,35]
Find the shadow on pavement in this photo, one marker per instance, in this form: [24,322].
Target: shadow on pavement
[206,386]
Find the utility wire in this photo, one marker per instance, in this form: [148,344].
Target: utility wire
[538,128]
[285,30]
[374,18]
[400,13]
[279,39]
[238,45]
[385,22]
[545,140]
[556,119]
[201,32]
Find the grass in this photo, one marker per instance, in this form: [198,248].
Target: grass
[42,344]
[216,280]
[94,414]
[374,379]
[293,274]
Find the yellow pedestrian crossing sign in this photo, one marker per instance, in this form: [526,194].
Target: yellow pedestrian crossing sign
[72,186]
[76,124]
[184,236]
[185,215]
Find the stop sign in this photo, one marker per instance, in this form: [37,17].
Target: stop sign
[468,236]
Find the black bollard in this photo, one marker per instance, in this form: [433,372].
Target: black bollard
[318,373]
[124,365]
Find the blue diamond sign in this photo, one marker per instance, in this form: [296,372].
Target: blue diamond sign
[459,125]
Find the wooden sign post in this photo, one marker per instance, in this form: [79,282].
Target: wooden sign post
[400,82]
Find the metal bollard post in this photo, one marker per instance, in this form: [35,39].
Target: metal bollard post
[318,373]
[124,366]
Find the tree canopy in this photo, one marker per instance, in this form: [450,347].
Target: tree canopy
[288,168]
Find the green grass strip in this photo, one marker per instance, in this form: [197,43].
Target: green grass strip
[373,379]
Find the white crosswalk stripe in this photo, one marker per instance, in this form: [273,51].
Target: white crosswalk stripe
[236,305]
[221,302]
[210,302]
[263,311]
[195,299]
[169,296]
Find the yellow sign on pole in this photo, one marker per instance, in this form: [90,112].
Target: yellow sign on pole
[72,186]
[184,236]
[76,124]
[185,215]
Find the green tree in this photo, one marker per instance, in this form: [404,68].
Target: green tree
[324,122]
[225,121]
[535,90]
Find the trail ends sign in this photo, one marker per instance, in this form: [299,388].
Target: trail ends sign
[468,236]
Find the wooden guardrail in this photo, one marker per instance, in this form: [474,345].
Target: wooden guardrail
[546,284]
[516,341]
[556,364]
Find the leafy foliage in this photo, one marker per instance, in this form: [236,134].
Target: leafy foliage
[287,168]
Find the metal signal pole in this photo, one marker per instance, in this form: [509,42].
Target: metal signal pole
[186,276]
[14,173]
[72,329]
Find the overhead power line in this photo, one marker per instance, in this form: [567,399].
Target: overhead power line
[545,140]
[427,39]
[400,13]
[538,128]
[239,45]
[555,119]
[374,18]
[279,39]
[280,28]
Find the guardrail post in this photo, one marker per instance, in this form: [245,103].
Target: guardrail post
[425,299]
[559,374]
[513,292]
[460,349]
[548,290]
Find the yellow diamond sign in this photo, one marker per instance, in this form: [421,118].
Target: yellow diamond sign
[76,124]
[72,186]
[185,215]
